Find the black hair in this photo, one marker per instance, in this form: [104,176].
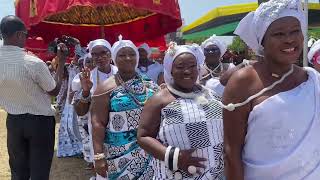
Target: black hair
[10,25]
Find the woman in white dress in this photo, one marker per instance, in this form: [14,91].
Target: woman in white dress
[271,121]
[69,141]
[214,49]
[85,83]
[150,68]
[181,126]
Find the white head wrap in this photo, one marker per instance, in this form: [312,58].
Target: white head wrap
[174,51]
[311,42]
[314,48]
[98,42]
[253,27]
[122,44]
[146,47]
[85,59]
[214,41]
[79,51]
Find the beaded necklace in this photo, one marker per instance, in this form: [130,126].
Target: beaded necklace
[132,92]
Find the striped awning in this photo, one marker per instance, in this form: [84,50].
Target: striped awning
[226,29]
[223,20]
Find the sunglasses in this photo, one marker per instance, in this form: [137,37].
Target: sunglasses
[211,50]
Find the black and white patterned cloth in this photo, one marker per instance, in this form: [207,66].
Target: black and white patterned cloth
[189,125]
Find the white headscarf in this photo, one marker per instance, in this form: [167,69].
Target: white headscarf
[253,27]
[146,47]
[174,51]
[122,44]
[314,48]
[213,40]
[85,59]
[311,42]
[99,42]
[79,51]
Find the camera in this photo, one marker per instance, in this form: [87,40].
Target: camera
[53,46]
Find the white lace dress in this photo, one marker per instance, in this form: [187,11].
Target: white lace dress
[282,141]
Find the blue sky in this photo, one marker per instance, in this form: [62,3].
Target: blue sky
[6,7]
[190,9]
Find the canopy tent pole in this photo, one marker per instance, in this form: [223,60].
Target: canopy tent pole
[102,35]
[305,47]
[102,32]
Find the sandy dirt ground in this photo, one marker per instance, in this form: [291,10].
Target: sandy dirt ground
[62,169]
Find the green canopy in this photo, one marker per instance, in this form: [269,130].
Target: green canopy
[219,31]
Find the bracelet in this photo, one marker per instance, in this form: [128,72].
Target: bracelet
[83,99]
[175,159]
[166,156]
[171,153]
[99,156]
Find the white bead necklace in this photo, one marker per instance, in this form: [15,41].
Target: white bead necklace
[200,97]
[232,107]
[213,72]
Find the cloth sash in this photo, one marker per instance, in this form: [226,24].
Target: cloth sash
[304,160]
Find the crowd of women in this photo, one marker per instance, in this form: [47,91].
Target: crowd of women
[195,117]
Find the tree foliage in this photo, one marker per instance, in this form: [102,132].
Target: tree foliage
[315,35]
[237,45]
